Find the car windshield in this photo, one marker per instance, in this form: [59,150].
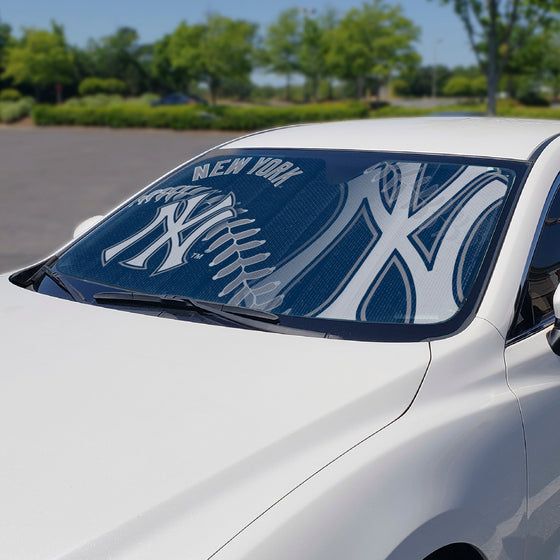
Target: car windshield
[370,238]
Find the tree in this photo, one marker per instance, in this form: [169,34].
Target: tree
[165,76]
[41,58]
[5,40]
[218,49]
[497,30]
[179,56]
[313,48]
[418,81]
[371,42]
[550,61]
[538,63]
[281,46]
[461,86]
[121,56]
[226,51]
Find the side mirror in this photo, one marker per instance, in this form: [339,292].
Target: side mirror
[86,225]
[554,335]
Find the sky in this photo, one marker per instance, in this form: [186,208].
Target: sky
[443,39]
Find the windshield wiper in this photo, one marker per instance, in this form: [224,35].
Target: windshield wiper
[59,280]
[241,316]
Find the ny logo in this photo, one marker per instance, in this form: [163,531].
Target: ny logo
[416,233]
[181,230]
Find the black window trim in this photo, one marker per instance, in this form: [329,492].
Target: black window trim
[549,319]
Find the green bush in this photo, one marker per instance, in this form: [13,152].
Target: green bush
[530,112]
[457,86]
[533,99]
[441,110]
[10,94]
[400,87]
[91,86]
[120,116]
[395,111]
[12,111]
[479,86]
[144,99]
[97,100]
[106,100]
[192,117]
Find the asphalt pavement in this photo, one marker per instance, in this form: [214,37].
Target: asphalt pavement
[53,178]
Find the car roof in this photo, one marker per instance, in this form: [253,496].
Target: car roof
[472,136]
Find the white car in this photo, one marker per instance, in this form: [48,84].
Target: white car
[322,342]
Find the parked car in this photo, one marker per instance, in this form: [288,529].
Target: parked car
[321,342]
[178,99]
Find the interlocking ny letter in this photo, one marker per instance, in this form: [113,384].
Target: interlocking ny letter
[176,218]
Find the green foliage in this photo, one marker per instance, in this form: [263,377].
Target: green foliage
[371,41]
[41,58]
[145,99]
[391,111]
[167,76]
[5,37]
[281,46]
[533,99]
[10,94]
[191,116]
[461,86]
[457,86]
[479,86]
[260,94]
[106,100]
[398,111]
[5,41]
[180,52]
[218,49]
[91,86]
[529,112]
[418,81]
[97,100]
[400,87]
[312,55]
[499,31]
[218,52]
[13,111]
[122,57]
[252,118]
[540,62]
[226,51]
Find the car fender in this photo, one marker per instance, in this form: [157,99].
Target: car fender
[451,469]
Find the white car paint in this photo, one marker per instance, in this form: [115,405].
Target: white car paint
[134,431]
[133,437]
[500,138]
[86,225]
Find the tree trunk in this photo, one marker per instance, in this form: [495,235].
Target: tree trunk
[492,87]
[288,93]
[315,89]
[360,83]
[214,83]
[510,86]
[492,60]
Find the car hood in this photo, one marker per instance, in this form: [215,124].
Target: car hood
[129,436]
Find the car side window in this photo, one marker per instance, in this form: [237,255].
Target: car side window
[543,276]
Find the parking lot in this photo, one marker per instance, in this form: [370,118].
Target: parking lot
[53,178]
